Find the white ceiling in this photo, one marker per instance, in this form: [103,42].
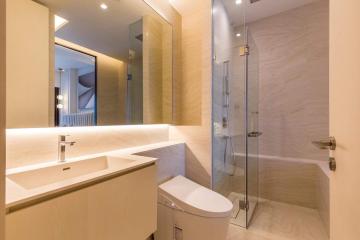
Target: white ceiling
[66,58]
[260,9]
[108,31]
[104,31]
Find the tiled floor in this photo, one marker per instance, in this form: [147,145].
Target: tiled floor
[279,221]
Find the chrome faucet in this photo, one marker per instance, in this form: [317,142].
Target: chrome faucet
[62,147]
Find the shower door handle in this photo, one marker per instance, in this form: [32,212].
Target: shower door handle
[329,143]
[254,134]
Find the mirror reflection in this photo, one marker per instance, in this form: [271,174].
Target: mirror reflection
[91,64]
[75,88]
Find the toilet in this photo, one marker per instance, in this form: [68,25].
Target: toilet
[189,211]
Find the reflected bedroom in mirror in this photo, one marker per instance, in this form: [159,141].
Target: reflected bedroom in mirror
[75,88]
[96,65]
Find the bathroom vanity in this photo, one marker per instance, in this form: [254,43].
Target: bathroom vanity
[94,66]
[104,196]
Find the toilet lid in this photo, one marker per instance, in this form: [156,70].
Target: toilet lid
[194,198]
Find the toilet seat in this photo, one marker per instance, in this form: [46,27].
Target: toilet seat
[193,198]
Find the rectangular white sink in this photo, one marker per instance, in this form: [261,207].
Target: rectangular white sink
[59,172]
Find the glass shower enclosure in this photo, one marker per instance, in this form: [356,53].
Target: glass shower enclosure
[235,110]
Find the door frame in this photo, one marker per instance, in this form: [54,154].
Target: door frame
[2,114]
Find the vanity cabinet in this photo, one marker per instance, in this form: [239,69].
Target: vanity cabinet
[121,208]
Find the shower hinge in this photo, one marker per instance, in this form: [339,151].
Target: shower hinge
[244,205]
[244,50]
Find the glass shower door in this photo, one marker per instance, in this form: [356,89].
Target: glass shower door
[235,112]
[229,108]
[253,133]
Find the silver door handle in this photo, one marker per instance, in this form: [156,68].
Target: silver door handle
[329,143]
[254,134]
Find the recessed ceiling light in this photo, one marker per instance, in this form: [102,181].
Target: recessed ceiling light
[238,2]
[103,6]
[59,22]
[238,35]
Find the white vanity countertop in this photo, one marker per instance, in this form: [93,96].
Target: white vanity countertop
[18,195]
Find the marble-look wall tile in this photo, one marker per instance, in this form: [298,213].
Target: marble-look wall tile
[167,11]
[197,152]
[288,181]
[170,163]
[323,198]
[294,80]
[31,146]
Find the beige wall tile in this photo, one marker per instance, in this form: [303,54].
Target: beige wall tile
[167,11]
[157,81]
[195,123]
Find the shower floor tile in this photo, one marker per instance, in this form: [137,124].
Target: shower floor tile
[279,221]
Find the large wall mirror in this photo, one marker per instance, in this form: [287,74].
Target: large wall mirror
[87,63]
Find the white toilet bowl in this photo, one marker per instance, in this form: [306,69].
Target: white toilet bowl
[188,211]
